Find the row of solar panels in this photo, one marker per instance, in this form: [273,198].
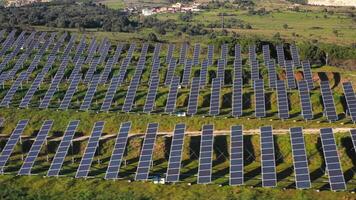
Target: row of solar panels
[268,165]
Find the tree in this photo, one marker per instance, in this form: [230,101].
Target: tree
[285,26]
[152,37]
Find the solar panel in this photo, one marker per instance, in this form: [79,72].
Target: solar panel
[93,143]
[89,75]
[193,97]
[104,52]
[272,74]
[280,55]
[69,47]
[268,165]
[117,53]
[301,170]
[131,92]
[172,95]
[237,98]
[144,50]
[105,74]
[156,52]
[155,68]
[90,93]
[282,98]
[255,72]
[332,160]
[91,51]
[252,53]
[266,54]
[35,148]
[63,148]
[151,96]
[187,72]
[210,55]
[215,97]
[11,143]
[58,45]
[237,52]
[295,55]
[221,70]
[183,54]
[10,94]
[353,138]
[36,83]
[196,54]
[54,84]
[80,49]
[203,73]
[307,110]
[170,53]
[206,154]
[109,96]
[146,152]
[175,155]
[70,92]
[328,101]
[112,171]
[350,99]
[130,51]
[238,69]
[122,71]
[260,106]
[290,75]
[77,69]
[236,156]
[224,51]
[170,72]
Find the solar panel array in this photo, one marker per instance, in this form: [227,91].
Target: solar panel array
[268,165]
[151,96]
[238,68]
[203,73]
[76,70]
[70,92]
[91,50]
[11,92]
[196,54]
[260,106]
[89,153]
[350,99]
[300,160]
[237,103]
[63,148]
[80,49]
[307,110]
[353,138]
[332,160]
[155,68]
[146,152]
[172,95]
[89,75]
[295,55]
[170,71]
[252,53]
[11,143]
[255,73]
[328,101]
[221,70]
[210,53]
[272,74]
[236,156]
[237,52]
[112,171]
[170,53]
[215,97]
[308,74]
[109,96]
[175,155]
[224,52]
[266,54]
[282,98]
[35,148]
[187,72]
[193,96]
[183,53]
[90,93]
[280,55]
[290,75]
[206,154]
[105,74]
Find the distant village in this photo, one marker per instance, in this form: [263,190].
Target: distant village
[174,8]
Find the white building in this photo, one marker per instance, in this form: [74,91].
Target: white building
[147,12]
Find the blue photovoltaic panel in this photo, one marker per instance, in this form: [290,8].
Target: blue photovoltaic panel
[295,55]
[151,95]
[260,106]
[238,69]
[353,138]
[224,52]
[93,143]
[77,69]
[266,54]
[193,97]
[252,53]
[187,72]
[105,74]
[269,176]
[290,75]
[116,158]
[280,55]
[237,98]
[170,71]
[350,99]
[123,69]
[80,49]
[70,92]
[172,95]
[146,152]
[206,154]
[255,72]
[90,93]
[236,156]
[308,76]
[203,73]
[91,51]
[11,143]
[117,53]
[144,50]
[282,98]
[130,51]
[215,97]
[156,52]
[170,53]
[175,155]
[131,92]
[104,52]
[221,70]
[196,54]
[89,75]
[35,148]
[210,53]
[155,68]
[63,148]
[328,101]
[307,110]
[10,94]
[332,160]
[183,53]
[114,84]
[237,52]
[301,170]
[272,74]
